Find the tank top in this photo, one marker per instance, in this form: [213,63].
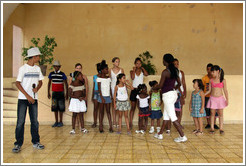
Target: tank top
[122,93]
[176,83]
[137,80]
[216,85]
[114,78]
[155,101]
[168,85]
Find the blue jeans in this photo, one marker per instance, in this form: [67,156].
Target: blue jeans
[21,116]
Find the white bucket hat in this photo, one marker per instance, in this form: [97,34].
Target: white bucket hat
[56,63]
[33,52]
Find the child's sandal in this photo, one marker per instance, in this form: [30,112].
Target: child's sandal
[195,131]
[199,133]
[84,130]
[211,132]
[222,132]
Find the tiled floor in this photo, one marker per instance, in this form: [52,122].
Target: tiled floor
[95,147]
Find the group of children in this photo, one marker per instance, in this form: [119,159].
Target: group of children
[111,86]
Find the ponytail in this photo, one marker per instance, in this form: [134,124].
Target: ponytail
[221,74]
[174,71]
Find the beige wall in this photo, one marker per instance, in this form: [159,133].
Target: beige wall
[232,114]
[87,33]
[16,18]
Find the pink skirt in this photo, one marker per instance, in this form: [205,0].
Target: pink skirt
[216,102]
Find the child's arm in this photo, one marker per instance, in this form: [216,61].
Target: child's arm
[99,90]
[226,92]
[29,98]
[93,91]
[161,99]
[49,83]
[115,91]
[129,85]
[86,87]
[209,89]
[66,86]
[132,73]
[203,102]
[190,108]
[178,86]
[70,80]
[145,72]
[149,100]
[183,83]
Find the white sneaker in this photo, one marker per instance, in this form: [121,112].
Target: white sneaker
[158,129]
[142,131]
[158,136]
[152,129]
[181,139]
[168,131]
[72,132]
[138,131]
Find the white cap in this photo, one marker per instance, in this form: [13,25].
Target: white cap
[33,52]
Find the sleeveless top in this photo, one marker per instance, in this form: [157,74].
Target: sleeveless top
[168,85]
[181,86]
[122,93]
[196,101]
[95,82]
[114,78]
[216,85]
[137,80]
[155,101]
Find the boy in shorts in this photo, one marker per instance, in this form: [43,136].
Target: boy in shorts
[57,78]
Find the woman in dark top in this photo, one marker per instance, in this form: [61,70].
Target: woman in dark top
[169,97]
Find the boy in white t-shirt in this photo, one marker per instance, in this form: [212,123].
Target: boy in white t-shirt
[29,81]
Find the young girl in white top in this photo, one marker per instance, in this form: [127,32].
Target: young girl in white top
[113,72]
[104,96]
[77,104]
[137,75]
[121,102]
[143,102]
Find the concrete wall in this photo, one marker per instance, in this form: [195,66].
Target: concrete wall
[232,114]
[87,33]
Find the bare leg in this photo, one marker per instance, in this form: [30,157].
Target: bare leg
[109,117]
[140,123]
[168,125]
[95,112]
[212,115]
[146,123]
[132,111]
[196,123]
[164,124]
[120,120]
[114,114]
[74,120]
[56,116]
[178,127]
[81,115]
[158,122]
[61,116]
[101,115]
[126,119]
[178,116]
[200,124]
[152,122]
[220,112]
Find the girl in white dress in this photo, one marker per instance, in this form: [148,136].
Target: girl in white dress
[113,72]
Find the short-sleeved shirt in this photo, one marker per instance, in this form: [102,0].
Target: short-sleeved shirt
[27,76]
[57,79]
[205,82]
[105,85]
[143,102]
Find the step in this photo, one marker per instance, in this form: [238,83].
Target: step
[9,121]
[9,106]
[9,99]
[10,92]
[14,86]
[8,82]
[9,114]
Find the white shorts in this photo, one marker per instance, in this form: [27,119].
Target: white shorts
[77,106]
[169,99]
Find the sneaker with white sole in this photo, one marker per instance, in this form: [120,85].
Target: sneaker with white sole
[142,131]
[152,129]
[158,129]
[38,145]
[181,139]
[158,136]
[168,131]
[138,131]
[16,149]
[72,132]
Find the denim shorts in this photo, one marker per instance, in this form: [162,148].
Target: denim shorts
[106,98]
[96,95]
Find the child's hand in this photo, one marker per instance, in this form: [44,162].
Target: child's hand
[103,100]
[201,111]
[127,81]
